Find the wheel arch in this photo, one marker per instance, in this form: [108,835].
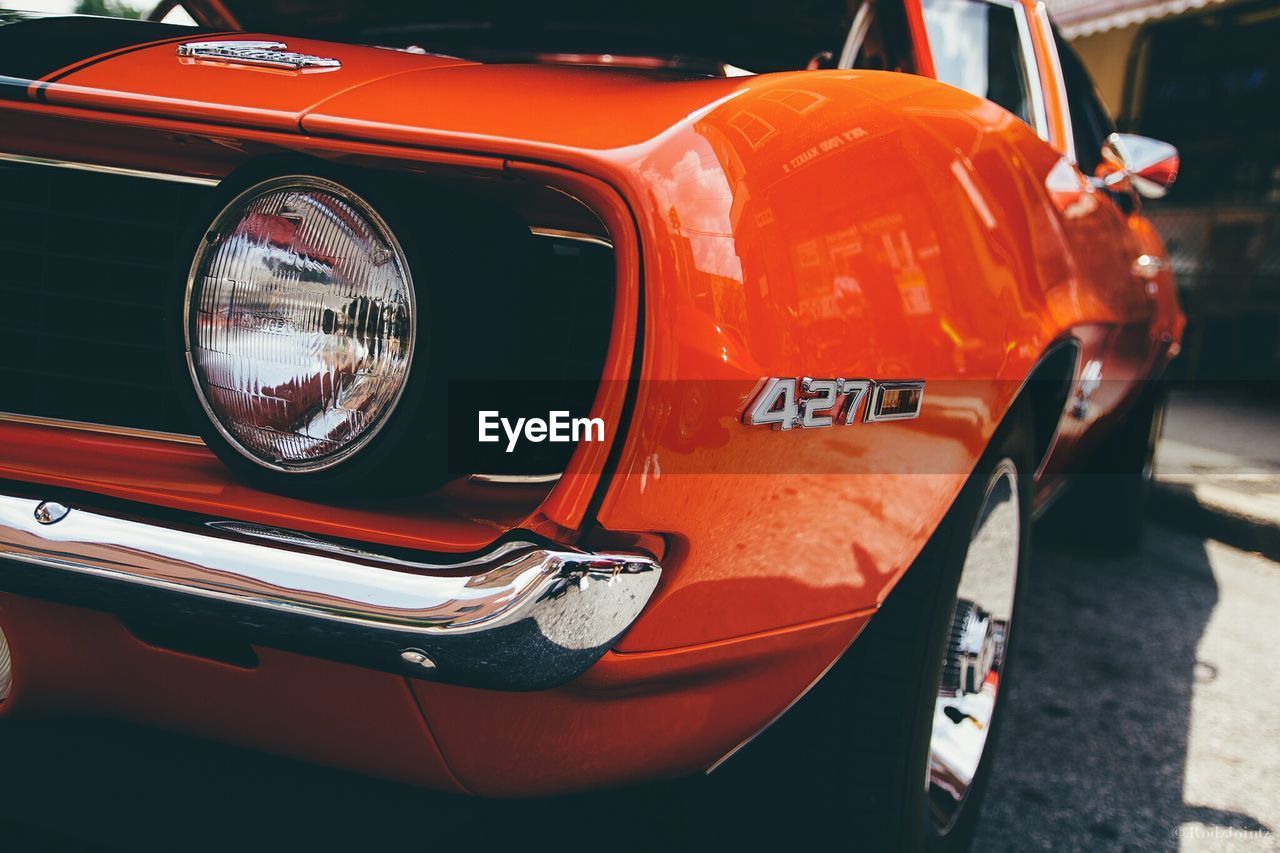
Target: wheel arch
[1046,391]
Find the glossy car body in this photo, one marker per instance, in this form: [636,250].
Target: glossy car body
[814,223]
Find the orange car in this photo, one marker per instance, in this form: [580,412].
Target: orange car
[517,399]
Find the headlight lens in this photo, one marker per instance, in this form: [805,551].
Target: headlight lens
[300,323]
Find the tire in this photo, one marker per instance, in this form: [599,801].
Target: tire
[1106,504]
[848,766]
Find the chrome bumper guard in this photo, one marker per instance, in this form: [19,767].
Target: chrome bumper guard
[526,615]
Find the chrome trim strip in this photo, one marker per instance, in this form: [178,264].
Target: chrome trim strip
[857,35]
[521,479]
[1046,33]
[122,171]
[1035,81]
[182,438]
[576,236]
[6,668]
[525,615]
[105,429]
[264,54]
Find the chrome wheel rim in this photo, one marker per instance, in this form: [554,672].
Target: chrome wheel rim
[974,658]
[6,668]
[1153,441]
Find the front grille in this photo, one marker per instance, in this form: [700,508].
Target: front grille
[87,266]
[90,262]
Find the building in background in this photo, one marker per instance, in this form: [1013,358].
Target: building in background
[1205,76]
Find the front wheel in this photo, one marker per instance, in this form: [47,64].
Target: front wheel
[892,749]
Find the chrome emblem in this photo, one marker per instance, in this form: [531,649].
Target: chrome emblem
[783,403]
[265,54]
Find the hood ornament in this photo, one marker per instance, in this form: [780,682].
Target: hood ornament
[265,54]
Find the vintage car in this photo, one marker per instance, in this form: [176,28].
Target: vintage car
[520,399]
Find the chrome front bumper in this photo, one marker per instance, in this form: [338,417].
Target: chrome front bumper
[526,615]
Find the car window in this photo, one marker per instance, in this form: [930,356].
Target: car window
[175,14]
[879,38]
[167,11]
[1090,121]
[977,46]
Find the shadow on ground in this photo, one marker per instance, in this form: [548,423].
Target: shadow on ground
[1094,751]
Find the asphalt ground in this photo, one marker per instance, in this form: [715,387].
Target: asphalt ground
[1146,704]
[1145,717]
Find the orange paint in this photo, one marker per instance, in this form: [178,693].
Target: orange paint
[828,223]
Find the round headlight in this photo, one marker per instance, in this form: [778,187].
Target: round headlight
[299,323]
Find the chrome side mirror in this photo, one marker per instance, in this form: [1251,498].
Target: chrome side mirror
[1149,166]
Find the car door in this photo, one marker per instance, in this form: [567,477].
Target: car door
[1003,50]
[1135,283]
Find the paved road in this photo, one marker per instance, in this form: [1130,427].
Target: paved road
[1146,707]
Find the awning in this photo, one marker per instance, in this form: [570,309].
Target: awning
[1084,17]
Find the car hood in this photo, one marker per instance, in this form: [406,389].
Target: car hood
[371,93]
[132,66]
[761,35]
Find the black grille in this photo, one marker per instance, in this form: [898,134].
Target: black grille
[90,261]
[87,265]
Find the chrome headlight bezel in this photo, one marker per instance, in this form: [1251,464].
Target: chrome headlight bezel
[231,213]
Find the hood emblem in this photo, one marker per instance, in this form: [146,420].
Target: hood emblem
[266,54]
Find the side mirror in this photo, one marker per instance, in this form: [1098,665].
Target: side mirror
[1149,166]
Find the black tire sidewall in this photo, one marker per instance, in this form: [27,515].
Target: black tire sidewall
[1016,447]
